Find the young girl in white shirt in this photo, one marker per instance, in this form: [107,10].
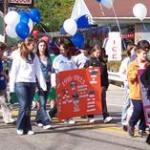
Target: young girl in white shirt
[24,71]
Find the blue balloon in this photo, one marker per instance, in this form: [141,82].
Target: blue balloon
[78,40]
[22,30]
[24,17]
[35,15]
[98,1]
[83,22]
[62,30]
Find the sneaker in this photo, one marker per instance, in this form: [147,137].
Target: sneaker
[91,120]
[125,128]
[30,132]
[108,119]
[131,131]
[70,121]
[39,124]
[20,132]
[47,127]
[142,133]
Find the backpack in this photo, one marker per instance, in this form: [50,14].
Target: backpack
[3,83]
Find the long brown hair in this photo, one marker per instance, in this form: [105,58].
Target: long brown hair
[46,50]
[23,48]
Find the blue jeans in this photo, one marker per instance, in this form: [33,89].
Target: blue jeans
[126,105]
[25,92]
[42,116]
[137,115]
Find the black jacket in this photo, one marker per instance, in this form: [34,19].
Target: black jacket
[97,62]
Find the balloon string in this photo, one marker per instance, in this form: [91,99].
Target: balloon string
[102,10]
[116,18]
[42,27]
[144,27]
[103,13]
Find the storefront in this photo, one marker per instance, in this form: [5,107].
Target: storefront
[120,18]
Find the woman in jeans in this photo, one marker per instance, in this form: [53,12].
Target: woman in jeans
[42,117]
[24,71]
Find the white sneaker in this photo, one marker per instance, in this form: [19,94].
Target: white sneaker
[47,127]
[20,132]
[70,121]
[39,124]
[92,120]
[108,119]
[30,132]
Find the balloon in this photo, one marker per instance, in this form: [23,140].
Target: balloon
[22,30]
[140,11]
[98,1]
[35,34]
[24,17]
[107,3]
[62,31]
[70,26]
[12,18]
[45,38]
[78,40]
[11,31]
[30,24]
[35,15]
[83,22]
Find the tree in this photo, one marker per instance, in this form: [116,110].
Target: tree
[54,12]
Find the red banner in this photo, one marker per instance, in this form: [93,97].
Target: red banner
[79,92]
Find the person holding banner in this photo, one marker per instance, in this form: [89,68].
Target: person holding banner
[96,61]
[135,90]
[63,62]
[24,70]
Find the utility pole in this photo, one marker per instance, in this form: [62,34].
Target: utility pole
[5,7]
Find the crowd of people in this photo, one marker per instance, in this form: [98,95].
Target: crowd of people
[31,74]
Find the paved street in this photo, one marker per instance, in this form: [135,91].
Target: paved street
[98,136]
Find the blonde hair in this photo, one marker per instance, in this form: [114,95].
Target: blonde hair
[23,48]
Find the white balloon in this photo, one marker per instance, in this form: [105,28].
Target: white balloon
[107,3]
[30,24]
[70,26]
[12,18]
[11,31]
[140,11]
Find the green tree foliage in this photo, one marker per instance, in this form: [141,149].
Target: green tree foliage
[54,12]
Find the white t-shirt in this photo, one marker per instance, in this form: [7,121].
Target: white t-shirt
[80,60]
[62,63]
[123,70]
[23,71]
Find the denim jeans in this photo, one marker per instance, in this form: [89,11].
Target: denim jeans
[42,115]
[126,105]
[137,115]
[25,92]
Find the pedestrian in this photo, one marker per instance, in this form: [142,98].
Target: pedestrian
[63,62]
[42,118]
[135,90]
[127,105]
[95,61]
[24,71]
[5,110]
